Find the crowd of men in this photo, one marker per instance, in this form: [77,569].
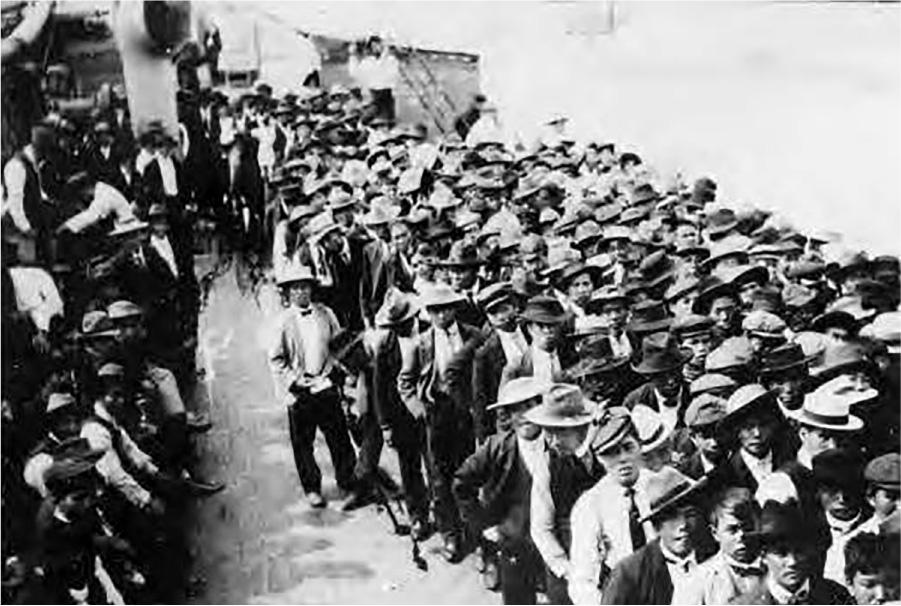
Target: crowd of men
[611,385]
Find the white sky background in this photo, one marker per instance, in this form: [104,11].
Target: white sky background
[790,106]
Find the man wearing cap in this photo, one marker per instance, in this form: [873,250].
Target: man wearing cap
[605,519]
[570,469]
[736,568]
[501,470]
[789,559]
[665,390]
[504,342]
[695,332]
[883,476]
[612,306]
[702,419]
[434,383]
[664,566]
[303,369]
[400,430]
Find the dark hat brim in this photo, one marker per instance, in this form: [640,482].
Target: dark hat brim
[690,491]
[642,327]
[765,403]
[541,317]
[683,356]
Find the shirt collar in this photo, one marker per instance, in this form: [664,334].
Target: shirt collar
[681,562]
[783,595]
[752,461]
[842,526]
[804,458]
[661,399]
[745,568]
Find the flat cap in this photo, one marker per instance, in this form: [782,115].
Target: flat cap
[712,383]
[764,324]
[734,351]
[495,294]
[884,471]
[706,409]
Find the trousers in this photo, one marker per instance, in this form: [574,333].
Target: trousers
[520,568]
[322,411]
[447,446]
[409,443]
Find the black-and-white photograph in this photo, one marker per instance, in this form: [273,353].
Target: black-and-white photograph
[451,302]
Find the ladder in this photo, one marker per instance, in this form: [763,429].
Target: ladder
[421,80]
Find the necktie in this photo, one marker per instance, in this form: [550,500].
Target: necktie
[636,532]
[306,312]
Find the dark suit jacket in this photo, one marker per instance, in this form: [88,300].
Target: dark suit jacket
[736,473]
[378,274]
[417,376]
[487,370]
[643,578]
[644,394]
[387,361]
[822,591]
[495,470]
[103,169]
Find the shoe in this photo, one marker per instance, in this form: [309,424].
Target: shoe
[315,500]
[420,529]
[358,499]
[451,551]
[203,489]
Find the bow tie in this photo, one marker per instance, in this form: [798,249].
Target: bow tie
[306,312]
[747,570]
[802,597]
[684,564]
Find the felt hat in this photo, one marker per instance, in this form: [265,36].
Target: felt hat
[668,489]
[608,213]
[97,324]
[616,232]
[297,273]
[576,268]
[397,308]
[643,194]
[605,294]
[543,309]
[805,269]
[322,225]
[59,400]
[300,212]
[842,358]
[614,424]
[692,324]
[681,287]
[796,296]
[692,248]
[886,329]
[721,222]
[379,214]
[733,352]
[884,471]
[548,216]
[652,432]
[783,524]
[462,255]
[656,268]
[712,383]
[744,274]
[747,400]
[649,316]
[710,289]
[339,200]
[587,233]
[705,410]
[661,353]
[826,409]
[764,324]
[730,246]
[519,391]
[839,468]
[128,226]
[119,310]
[563,405]
[441,295]
[495,294]
[848,261]
[782,358]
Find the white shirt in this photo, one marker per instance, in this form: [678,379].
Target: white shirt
[107,201]
[680,569]
[841,532]
[164,248]
[620,345]
[447,343]
[167,172]
[545,365]
[313,334]
[14,177]
[669,414]
[533,453]
[36,295]
[760,469]
[514,345]
[600,532]
[782,595]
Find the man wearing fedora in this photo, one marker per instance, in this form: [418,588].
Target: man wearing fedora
[303,370]
[400,429]
[736,568]
[789,559]
[665,390]
[784,371]
[611,305]
[565,417]
[664,566]
[605,519]
[462,264]
[546,356]
[720,301]
[434,383]
[501,470]
[504,341]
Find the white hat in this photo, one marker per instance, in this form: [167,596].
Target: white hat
[58,400]
[828,409]
[322,224]
[518,391]
[296,273]
[652,431]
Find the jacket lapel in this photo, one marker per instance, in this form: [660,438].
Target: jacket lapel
[660,583]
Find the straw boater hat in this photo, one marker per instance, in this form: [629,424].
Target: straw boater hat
[519,391]
[296,273]
[746,400]
[826,408]
[441,295]
[563,406]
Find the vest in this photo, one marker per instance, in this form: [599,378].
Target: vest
[569,479]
